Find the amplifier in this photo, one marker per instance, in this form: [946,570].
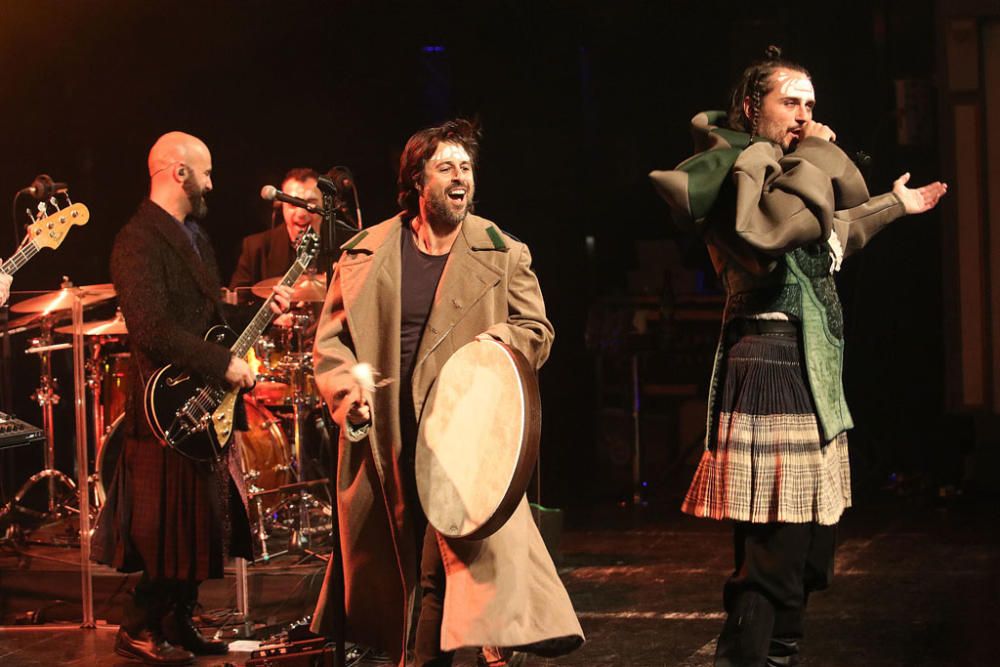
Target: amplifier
[14,432]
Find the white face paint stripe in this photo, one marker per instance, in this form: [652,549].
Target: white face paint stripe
[451,152]
[795,86]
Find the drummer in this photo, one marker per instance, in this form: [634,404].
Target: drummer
[415,288]
[269,254]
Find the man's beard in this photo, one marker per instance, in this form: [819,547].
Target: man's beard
[196,197]
[774,131]
[441,215]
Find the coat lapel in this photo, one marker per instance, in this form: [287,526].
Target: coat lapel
[201,267]
[468,275]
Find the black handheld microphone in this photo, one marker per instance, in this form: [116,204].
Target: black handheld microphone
[271,193]
[44,187]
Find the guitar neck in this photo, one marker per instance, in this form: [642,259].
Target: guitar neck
[19,258]
[264,314]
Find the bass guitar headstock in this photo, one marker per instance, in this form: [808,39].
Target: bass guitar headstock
[48,229]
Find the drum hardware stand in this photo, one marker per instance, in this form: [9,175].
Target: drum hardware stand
[82,463]
[46,397]
[94,381]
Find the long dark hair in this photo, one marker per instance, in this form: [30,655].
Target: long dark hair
[755,83]
[422,146]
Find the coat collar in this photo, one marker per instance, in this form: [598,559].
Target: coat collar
[170,229]
[371,261]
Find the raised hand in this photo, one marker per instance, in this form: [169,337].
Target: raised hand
[918,200]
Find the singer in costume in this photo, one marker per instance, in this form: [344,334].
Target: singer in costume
[174,520]
[779,206]
[405,295]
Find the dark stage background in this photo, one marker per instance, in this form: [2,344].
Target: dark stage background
[578,101]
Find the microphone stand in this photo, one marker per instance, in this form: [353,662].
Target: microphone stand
[329,243]
[329,253]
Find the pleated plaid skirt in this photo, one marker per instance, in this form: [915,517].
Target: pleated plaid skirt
[769,463]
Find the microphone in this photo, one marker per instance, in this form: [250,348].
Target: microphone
[342,178]
[271,193]
[340,181]
[44,187]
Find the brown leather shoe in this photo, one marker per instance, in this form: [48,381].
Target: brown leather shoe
[150,649]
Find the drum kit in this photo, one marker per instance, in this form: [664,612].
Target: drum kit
[289,496]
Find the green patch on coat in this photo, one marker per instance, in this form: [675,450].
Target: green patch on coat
[494,235]
[706,173]
[355,241]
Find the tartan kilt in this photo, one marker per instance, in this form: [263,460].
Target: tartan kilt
[171,517]
[769,463]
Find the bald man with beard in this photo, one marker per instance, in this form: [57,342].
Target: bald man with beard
[167,516]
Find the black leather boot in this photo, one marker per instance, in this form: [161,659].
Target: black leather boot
[179,627]
[746,635]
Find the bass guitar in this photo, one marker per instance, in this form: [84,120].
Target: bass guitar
[195,416]
[46,231]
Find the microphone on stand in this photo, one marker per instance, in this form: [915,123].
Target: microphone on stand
[344,185]
[44,187]
[271,193]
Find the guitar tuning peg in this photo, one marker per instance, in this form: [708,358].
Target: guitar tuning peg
[69,202]
[31,218]
[42,207]
[54,202]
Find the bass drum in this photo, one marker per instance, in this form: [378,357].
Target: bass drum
[264,453]
[108,456]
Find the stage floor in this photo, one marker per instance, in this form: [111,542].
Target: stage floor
[917,583]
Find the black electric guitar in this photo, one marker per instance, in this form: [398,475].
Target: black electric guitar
[46,231]
[195,416]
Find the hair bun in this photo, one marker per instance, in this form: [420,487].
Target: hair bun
[772,52]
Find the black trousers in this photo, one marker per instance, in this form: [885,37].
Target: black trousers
[427,645]
[777,567]
[150,601]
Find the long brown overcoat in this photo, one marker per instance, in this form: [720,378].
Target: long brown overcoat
[503,590]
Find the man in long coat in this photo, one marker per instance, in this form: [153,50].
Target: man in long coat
[406,294]
[171,518]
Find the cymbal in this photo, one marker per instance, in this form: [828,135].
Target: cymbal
[306,288]
[63,299]
[113,327]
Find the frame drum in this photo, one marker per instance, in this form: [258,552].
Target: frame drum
[478,440]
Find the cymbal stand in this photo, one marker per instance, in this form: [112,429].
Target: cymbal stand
[82,464]
[46,398]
